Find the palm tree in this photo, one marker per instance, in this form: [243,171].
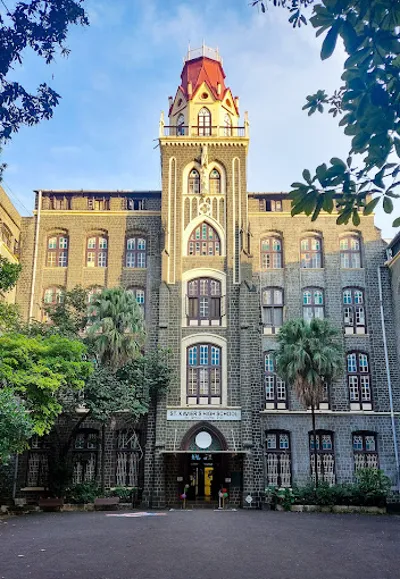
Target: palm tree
[116,327]
[309,356]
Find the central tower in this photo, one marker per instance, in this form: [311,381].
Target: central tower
[205,260]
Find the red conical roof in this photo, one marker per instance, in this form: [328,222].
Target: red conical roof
[201,70]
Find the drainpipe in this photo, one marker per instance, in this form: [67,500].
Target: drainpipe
[396,452]
[35,255]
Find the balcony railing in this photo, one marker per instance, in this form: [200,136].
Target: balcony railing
[197,131]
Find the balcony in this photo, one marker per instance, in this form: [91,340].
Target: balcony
[204,132]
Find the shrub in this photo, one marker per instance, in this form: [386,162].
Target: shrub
[280,496]
[123,493]
[83,493]
[373,486]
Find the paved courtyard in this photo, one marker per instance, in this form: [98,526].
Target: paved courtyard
[200,545]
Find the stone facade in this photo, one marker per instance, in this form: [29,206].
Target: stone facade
[216,426]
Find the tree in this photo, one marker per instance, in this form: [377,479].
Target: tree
[309,355]
[116,327]
[16,426]
[42,26]
[42,371]
[368,103]
[9,313]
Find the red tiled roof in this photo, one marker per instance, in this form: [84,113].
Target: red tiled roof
[202,70]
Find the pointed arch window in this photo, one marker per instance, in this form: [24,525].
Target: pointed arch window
[96,251]
[354,311]
[275,387]
[350,252]
[278,458]
[204,120]
[128,455]
[227,126]
[136,253]
[194,182]
[203,374]
[271,253]
[85,453]
[204,241]
[359,381]
[311,252]
[215,182]
[57,251]
[204,302]
[140,295]
[313,303]
[365,450]
[325,456]
[180,125]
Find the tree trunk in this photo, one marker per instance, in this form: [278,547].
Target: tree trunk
[103,457]
[315,444]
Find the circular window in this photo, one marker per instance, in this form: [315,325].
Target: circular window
[179,102]
[203,439]
[204,95]
[228,102]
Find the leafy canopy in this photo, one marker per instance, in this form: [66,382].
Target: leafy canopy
[42,26]
[16,426]
[367,103]
[41,371]
[309,355]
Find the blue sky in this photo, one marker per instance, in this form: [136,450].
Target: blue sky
[123,67]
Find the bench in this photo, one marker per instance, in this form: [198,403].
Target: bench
[104,504]
[52,504]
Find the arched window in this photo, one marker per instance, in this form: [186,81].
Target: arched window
[313,303]
[350,252]
[180,125]
[135,255]
[204,302]
[85,453]
[365,450]
[194,182]
[278,458]
[53,296]
[57,251]
[275,387]
[271,253]
[37,472]
[325,456]
[359,381]
[204,241]
[354,311]
[272,309]
[227,126]
[311,252]
[128,454]
[96,251]
[204,120]
[139,293]
[203,379]
[215,182]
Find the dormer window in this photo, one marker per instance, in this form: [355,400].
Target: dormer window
[270,205]
[134,204]
[204,120]
[99,203]
[60,203]
[180,126]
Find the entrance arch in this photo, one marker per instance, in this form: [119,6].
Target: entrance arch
[191,442]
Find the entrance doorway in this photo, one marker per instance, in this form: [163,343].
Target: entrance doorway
[204,473]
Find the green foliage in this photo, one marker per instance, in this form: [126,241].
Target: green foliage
[370,489]
[9,317]
[367,102]
[16,426]
[116,328]
[9,274]
[42,371]
[284,497]
[123,493]
[83,493]
[309,355]
[41,26]
[70,317]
